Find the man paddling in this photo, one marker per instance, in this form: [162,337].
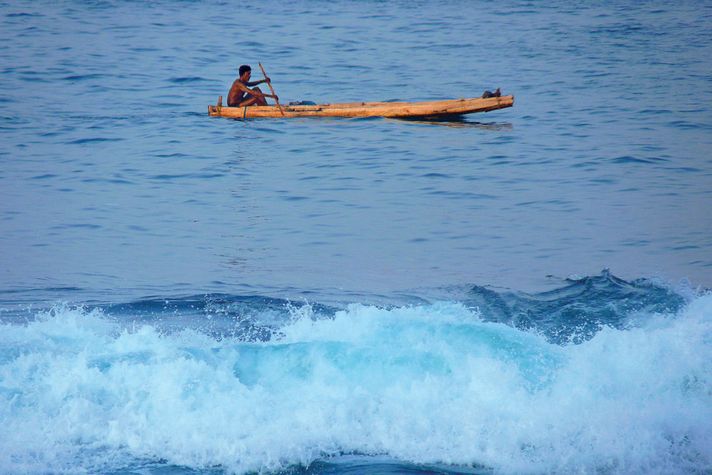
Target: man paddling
[241,95]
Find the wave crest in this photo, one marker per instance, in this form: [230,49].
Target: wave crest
[432,383]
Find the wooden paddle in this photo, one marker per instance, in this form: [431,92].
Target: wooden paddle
[269,83]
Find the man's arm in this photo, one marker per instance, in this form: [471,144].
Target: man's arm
[254,93]
[255,83]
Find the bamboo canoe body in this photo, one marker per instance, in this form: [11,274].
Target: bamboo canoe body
[435,109]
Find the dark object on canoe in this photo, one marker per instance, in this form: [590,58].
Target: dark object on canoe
[453,107]
[487,94]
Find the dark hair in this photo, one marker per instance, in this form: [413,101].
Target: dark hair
[244,68]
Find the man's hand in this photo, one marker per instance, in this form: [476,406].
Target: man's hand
[266,79]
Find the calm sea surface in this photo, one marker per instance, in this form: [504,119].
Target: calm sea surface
[516,291]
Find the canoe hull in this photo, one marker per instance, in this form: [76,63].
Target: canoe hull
[452,107]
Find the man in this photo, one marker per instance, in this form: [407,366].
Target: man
[241,95]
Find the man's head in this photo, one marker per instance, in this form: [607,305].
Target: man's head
[245,69]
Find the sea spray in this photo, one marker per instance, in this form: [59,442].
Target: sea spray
[422,384]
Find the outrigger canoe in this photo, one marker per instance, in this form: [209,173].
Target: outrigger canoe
[430,109]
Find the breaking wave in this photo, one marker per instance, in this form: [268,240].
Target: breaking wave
[602,375]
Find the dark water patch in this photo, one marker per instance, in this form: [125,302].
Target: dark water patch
[655,112]
[171,155]
[352,67]
[450,46]
[94,140]
[31,76]
[42,289]
[121,28]
[684,247]
[464,195]
[620,29]
[351,463]
[50,134]
[363,464]
[187,79]
[577,311]
[111,181]
[84,77]
[686,125]
[194,176]
[603,181]
[685,169]
[23,15]
[87,226]
[629,159]
[252,44]
[143,49]
[636,243]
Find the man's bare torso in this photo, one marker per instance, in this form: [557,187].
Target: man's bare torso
[236,94]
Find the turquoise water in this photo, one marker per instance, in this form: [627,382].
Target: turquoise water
[517,291]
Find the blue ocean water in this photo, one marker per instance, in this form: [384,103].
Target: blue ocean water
[522,291]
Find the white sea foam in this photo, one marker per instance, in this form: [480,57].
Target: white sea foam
[423,384]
